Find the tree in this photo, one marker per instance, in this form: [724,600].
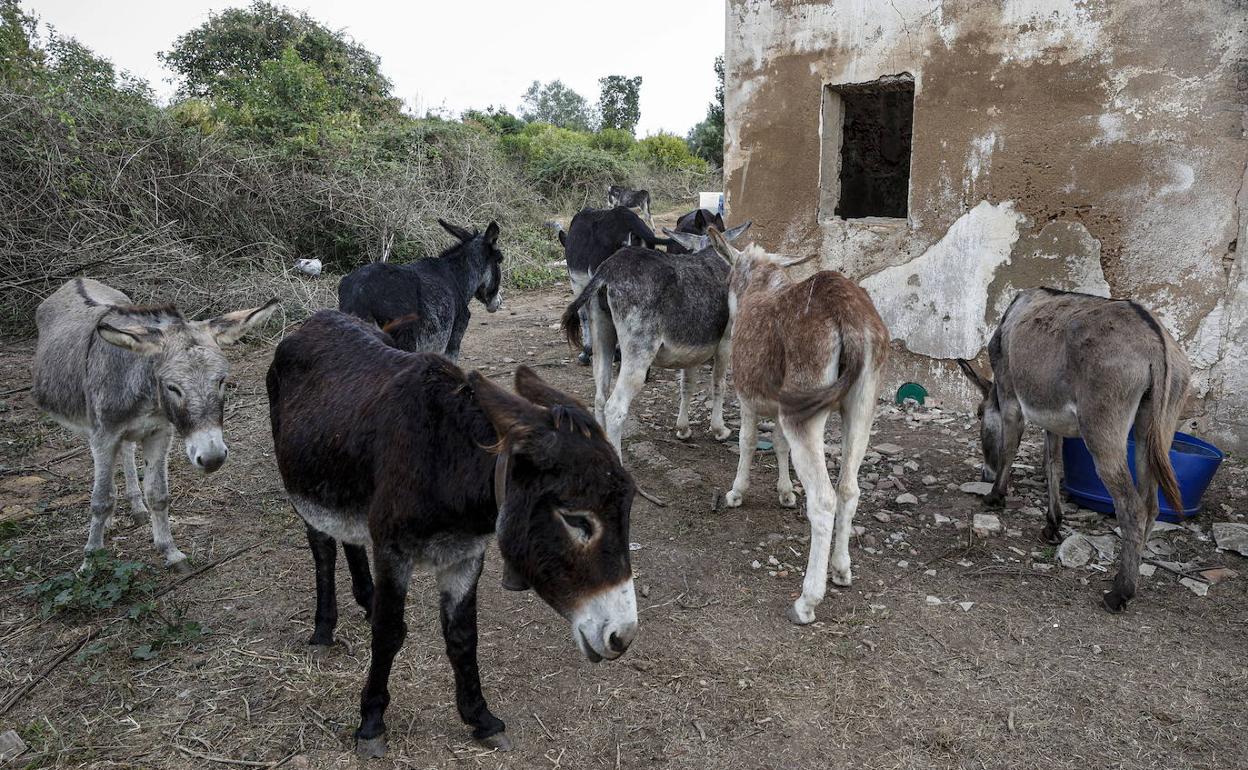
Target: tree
[706,139]
[20,57]
[619,102]
[558,105]
[218,60]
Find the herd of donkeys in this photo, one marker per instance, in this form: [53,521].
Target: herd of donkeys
[384,444]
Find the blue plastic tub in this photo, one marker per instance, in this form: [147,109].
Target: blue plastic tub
[1194,462]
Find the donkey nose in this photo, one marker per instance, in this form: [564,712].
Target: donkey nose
[211,461]
[620,637]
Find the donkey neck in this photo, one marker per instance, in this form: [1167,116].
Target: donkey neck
[467,266]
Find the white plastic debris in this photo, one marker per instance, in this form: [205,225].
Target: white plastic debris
[310,267]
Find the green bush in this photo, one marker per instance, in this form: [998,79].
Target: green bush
[668,152]
[615,140]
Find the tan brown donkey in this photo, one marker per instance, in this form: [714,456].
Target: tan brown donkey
[800,350]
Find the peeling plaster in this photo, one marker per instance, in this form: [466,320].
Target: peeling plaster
[935,304]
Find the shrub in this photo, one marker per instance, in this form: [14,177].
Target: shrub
[668,152]
[614,140]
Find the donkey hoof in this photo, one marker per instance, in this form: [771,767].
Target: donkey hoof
[788,499]
[371,748]
[178,563]
[684,433]
[722,433]
[583,359]
[497,741]
[842,578]
[1051,536]
[798,617]
[1114,602]
[994,499]
[733,498]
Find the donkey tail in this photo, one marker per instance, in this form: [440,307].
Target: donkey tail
[571,322]
[805,404]
[1161,428]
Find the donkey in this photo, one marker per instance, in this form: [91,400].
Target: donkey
[1080,365]
[592,236]
[630,199]
[429,298]
[698,220]
[121,375]
[670,312]
[800,350]
[404,453]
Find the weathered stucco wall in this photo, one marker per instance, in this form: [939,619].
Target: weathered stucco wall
[1096,145]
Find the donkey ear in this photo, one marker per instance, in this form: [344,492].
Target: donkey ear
[699,219]
[513,418]
[975,377]
[491,233]
[738,231]
[694,243]
[721,245]
[230,328]
[455,230]
[146,340]
[535,389]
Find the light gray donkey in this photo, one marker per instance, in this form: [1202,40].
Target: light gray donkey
[1080,365]
[800,350]
[665,310]
[122,375]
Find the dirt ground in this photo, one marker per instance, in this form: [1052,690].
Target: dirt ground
[950,650]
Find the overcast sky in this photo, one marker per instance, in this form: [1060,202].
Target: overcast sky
[459,53]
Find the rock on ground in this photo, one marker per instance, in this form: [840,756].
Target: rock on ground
[985,524]
[1231,537]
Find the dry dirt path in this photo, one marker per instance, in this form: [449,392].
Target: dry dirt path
[1031,674]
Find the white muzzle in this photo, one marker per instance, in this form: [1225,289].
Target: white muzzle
[495,302]
[206,449]
[606,625]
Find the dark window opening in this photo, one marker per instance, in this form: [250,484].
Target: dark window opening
[866,163]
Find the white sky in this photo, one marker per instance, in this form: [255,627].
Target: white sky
[459,53]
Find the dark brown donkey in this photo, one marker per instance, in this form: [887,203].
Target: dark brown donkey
[403,452]
[1079,365]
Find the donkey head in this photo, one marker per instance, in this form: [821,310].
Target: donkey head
[989,413]
[190,368]
[485,257]
[695,242]
[563,519]
[750,265]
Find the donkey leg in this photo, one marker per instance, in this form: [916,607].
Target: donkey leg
[1053,477]
[1109,453]
[1011,434]
[806,445]
[361,578]
[604,338]
[156,487]
[104,448]
[457,584]
[389,630]
[324,555]
[134,490]
[1145,482]
[747,440]
[686,390]
[719,378]
[579,281]
[857,416]
[632,380]
[784,482]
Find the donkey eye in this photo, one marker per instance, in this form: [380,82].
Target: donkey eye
[580,526]
[174,389]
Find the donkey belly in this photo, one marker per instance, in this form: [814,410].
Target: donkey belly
[676,356]
[345,526]
[1061,419]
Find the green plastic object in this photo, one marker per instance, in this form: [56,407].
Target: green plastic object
[911,390]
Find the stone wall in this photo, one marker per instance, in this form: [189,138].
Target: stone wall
[1096,145]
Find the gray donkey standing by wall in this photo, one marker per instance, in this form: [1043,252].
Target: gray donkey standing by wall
[1080,365]
[122,375]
